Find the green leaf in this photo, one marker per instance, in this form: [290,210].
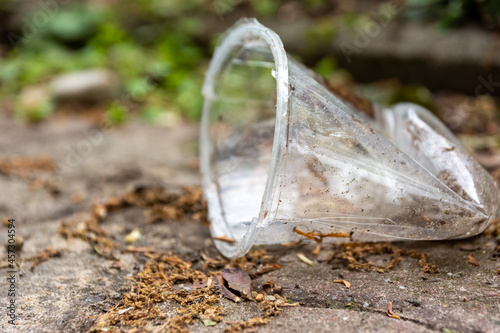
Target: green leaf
[208,322]
[151,114]
[76,23]
[326,66]
[116,114]
[265,7]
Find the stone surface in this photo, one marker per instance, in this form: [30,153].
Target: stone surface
[90,86]
[67,294]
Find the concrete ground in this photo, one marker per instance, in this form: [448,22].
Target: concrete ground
[67,293]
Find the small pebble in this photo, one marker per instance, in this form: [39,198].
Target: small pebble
[259,298]
[133,236]
[434,280]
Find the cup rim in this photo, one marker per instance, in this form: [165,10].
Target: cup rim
[241,31]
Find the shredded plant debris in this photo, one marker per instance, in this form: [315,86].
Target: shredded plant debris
[42,257]
[32,169]
[161,276]
[199,297]
[213,278]
[317,237]
[354,253]
[87,228]
[22,166]
[162,204]
[158,202]
[270,309]
[155,284]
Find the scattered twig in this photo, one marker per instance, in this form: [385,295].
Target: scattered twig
[318,237]
[43,256]
[303,258]
[346,283]
[225,239]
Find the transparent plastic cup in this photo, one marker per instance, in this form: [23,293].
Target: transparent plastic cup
[282,156]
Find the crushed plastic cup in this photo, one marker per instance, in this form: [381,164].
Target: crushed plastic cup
[283,157]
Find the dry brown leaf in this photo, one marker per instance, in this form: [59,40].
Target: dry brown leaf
[390,313]
[219,284]
[346,283]
[202,284]
[239,280]
[472,260]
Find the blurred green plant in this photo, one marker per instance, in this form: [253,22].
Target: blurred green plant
[76,23]
[265,7]
[326,66]
[116,114]
[35,111]
[154,52]
[159,48]
[390,92]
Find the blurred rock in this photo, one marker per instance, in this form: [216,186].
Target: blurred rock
[90,86]
[34,103]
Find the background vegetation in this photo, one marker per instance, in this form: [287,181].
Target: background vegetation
[160,49]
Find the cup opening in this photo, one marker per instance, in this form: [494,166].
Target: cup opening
[244,104]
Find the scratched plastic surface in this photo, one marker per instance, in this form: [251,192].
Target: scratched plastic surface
[279,152]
